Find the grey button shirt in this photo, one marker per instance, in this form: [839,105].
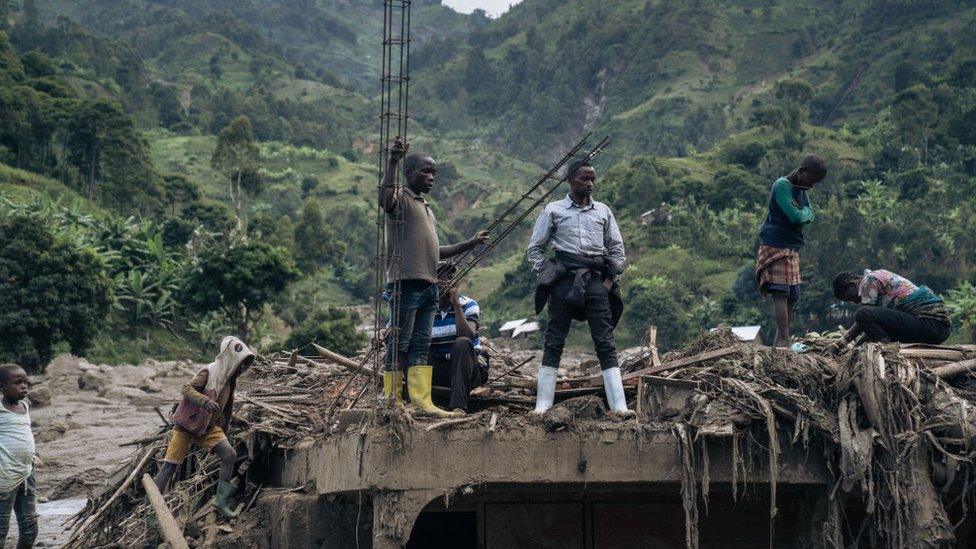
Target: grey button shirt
[591,231]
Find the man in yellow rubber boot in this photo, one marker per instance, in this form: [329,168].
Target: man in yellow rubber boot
[412,253]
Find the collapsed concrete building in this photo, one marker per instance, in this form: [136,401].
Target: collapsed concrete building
[733,446]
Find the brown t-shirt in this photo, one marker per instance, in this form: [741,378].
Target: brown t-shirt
[414,241]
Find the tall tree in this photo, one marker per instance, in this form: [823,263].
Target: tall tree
[236,155]
[179,190]
[53,290]
[315,242]
[238,280]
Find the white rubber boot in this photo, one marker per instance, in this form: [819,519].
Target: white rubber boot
[545,389]
[614,386]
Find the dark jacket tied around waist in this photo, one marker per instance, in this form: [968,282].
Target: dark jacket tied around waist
[582,268]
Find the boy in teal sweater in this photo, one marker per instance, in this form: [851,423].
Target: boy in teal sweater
[781,237]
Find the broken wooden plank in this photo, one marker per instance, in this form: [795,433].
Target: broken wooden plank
[710,355]
[520,383]
[577,391]
[935,354]
[172,532]
[652,346]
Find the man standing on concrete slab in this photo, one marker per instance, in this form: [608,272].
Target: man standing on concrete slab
[412,252]
[455,347]
[580,282]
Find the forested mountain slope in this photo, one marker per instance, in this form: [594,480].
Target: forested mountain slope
[116,109]
[669,78]
[334,40]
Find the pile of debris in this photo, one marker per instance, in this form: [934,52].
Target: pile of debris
[896,423]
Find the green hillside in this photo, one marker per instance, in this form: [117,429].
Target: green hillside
[115,110]
[335,41]
[670,78]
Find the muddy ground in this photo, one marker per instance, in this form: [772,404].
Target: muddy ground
[92,410]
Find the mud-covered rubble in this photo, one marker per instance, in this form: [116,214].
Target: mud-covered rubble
[898,438]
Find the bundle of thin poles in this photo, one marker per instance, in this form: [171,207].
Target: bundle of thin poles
[510,219]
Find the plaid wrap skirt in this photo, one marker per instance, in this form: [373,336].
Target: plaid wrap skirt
[776,266]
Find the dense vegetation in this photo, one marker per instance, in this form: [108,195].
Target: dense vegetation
[212,163]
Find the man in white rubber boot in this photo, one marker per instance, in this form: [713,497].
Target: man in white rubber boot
[580,282]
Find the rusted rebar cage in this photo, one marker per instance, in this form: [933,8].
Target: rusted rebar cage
[394,116]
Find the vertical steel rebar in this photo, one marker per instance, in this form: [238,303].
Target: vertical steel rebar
[394,105]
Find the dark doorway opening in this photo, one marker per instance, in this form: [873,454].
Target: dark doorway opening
[454,529]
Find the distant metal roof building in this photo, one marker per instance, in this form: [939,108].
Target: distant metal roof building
[745,333]
[509,327]
[525,328]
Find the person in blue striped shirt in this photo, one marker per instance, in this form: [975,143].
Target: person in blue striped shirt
[455,348]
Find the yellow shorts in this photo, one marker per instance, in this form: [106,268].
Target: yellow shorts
[179,443]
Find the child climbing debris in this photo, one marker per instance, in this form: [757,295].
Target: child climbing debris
[204,416]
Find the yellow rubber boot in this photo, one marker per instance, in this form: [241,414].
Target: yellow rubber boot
[392,385]
[419,381]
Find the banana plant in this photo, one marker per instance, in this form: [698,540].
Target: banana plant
[208,330]
[961,302]
[161,312]
[135,294]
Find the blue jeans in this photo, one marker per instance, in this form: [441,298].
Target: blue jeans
[23,502]
[417,303]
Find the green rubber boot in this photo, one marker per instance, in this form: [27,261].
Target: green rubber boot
[222,500]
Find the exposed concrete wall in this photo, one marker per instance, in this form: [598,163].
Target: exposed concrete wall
[442,461]
[293,520]
[403,475]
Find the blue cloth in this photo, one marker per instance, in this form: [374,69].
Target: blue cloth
[922,296]
[418,303]
[792,291]
[444,330]
[789,211]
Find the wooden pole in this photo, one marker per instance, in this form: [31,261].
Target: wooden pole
[955,368]
[172,532]
[339,359]
[118,492]
[512,371]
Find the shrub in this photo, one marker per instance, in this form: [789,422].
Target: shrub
[238,280]
[747,154]
[652,301]
[52,291]
[332,328]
